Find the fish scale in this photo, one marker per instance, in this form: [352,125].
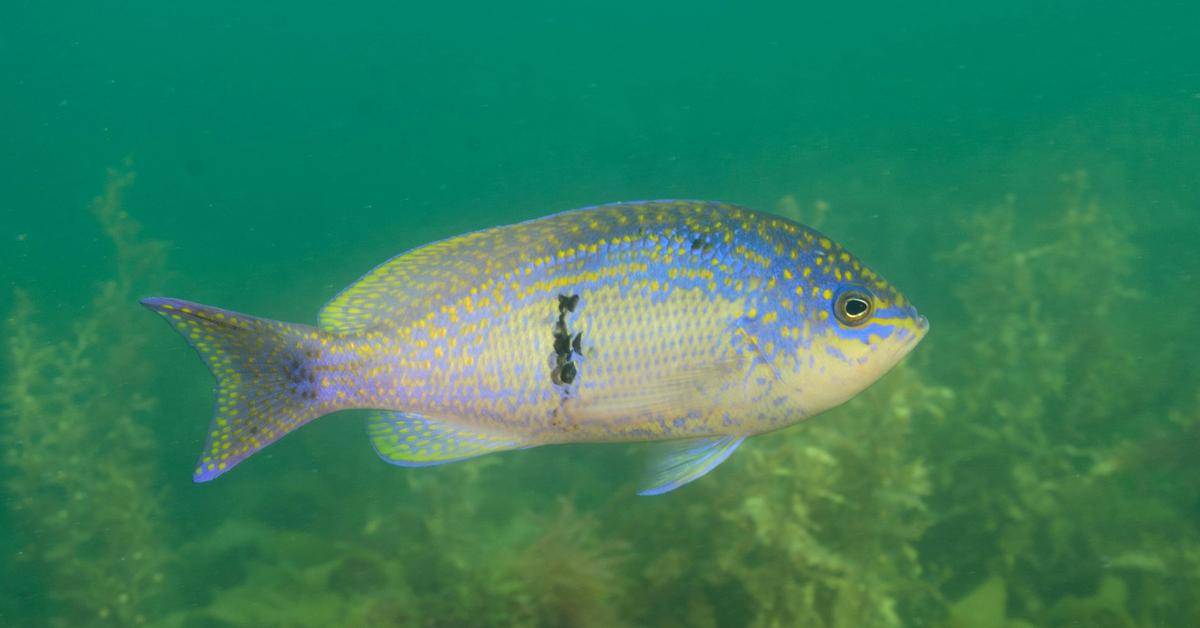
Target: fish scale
[688,321]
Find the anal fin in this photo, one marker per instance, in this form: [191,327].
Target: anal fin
[680,462]
[411,440]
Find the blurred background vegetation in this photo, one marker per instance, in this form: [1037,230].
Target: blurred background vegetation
[1025,467]
[1025,172]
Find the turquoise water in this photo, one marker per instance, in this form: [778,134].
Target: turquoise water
[1026,174]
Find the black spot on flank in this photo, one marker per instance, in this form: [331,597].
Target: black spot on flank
[563,371]
[567,303]
[697,244]
[567,373]
[253,430]
[562,344]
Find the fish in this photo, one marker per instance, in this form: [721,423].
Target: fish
[691,324]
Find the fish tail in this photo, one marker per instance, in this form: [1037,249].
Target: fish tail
[266,382]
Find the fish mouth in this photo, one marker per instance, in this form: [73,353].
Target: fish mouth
[915,334]
[921,328]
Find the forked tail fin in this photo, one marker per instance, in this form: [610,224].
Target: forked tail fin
[266,380]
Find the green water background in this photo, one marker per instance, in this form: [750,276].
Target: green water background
[282,149]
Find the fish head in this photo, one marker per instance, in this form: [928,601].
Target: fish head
[850,327]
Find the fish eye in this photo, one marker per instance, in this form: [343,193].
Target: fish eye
[853,307]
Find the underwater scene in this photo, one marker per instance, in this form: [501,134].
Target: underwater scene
[1025,174]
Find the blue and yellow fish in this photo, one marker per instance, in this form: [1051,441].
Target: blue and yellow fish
[696,323]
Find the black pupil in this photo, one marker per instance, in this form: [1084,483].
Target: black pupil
[855,307]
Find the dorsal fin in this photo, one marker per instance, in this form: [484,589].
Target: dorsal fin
[420,281]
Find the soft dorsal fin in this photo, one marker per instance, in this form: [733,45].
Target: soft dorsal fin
[679,462]
[411,440]
[419,281]
[402,288]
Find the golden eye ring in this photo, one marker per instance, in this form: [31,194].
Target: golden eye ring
[854,307]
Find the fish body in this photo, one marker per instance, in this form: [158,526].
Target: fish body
[699,323]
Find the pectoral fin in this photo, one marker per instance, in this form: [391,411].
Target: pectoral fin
[680,462]
[672,393]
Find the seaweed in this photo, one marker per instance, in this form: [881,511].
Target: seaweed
[814,526]
[568,575]
[1032,499]
[442,566]
[77,448]
[1030,464]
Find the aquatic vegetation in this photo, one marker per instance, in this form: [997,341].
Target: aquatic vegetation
[295,579]
[523,569]
[1026,467]
[1029,497]
[816,528]
[436,563]
[80,479]
[568,575]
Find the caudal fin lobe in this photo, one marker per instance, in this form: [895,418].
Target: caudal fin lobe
[266,383]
